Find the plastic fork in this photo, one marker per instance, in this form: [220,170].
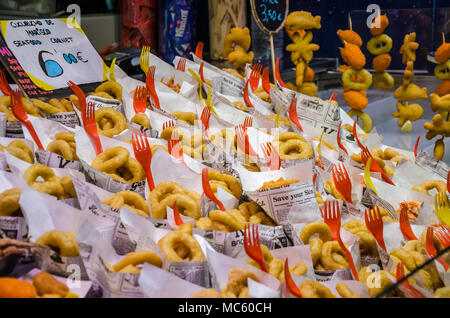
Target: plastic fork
[206,115]
[248,122]
[90,126]
[374,223]
[416,147]
[408,290]
[246,97]
[81,97]
[293,116]
[255,75]
[342,182]
[200,71]
[4,85]
[442,207]
[243,142]
[314,180]
[174,146]
[252,245]
[333,220]
[143,154]
[199,50]
[272,156]
[443,235]
[208,191]
[339,141]
[140,99]
[355,134]
[266,80]
[290,284]
[405,226]
[182,64]
[374,167]
[19,111]
[277,74]
[144,60]
[431,249]
[176,215]
[150,82]
[167,124]
[448,181]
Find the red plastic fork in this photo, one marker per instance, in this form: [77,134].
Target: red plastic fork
[266,80]
[248,122]
[293,116]
[167,124]
[255,75]
[4,85]
[374,223]
[140,99]
[176,215]
[81,97]
[143,154]
[243,142]
[90,126]
[199,50]
[246,97]
[252,245]
[174,147]
[431,249]
[374,167]
[443,235]
[416,147]
[333,219]
[277,74]
[150,83]
[342,182]
[405,226]
[19,111]
[339,141]
[290,284]
[208,191]
[182,64]
[314,180]
[206,115]
[408,290]
[272,156]
[355,133]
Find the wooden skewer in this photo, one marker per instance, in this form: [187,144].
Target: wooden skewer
[350,24]
[443,37]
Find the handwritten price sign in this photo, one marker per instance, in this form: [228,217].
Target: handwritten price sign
[270,14]
[52,52]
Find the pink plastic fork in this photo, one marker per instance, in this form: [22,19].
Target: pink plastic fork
[247,100]
[140,99]
[293,116]
[431,249]
[19,111]
[199,50]
[290,284]
[248,122]
[374,167]
[143,154]
[182,64]
[443,235]
[277,74]
[405,226]
[266,80]
[342,182]
[272,156]
[150,82]
[4,85]
[408,290]
[206,115]
[252,245]
[374,223]
[255,75]
[90,126]
[208,191]
[81,97]
[243,141]
[339,141]
[333,219]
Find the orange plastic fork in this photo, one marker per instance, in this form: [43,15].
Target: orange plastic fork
[208,191]
[272,156]
[290,284]
[431,249]
[314,180]
[248,122]
[443,235]
[246,98]
[342,182]
[4,85]
[176,215]
[339,141]
[167,124]
[255,75]
[374,167]
[252,245]
[293,116]
[90,126]
[182,64]
[243,142]
[206,115]
[81,97]
[333,220]
[374,223]
[200,71]
[277,74]
[408,290]
[140,99]
[355,133]
[174,146]
[143,154]
[150,83]
[266,80]
[405,227]
[199,50]
[19,111]
[416,147]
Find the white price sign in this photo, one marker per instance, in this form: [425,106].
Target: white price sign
[53,52]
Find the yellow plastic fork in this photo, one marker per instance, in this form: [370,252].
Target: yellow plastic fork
[442,208]
[144,59]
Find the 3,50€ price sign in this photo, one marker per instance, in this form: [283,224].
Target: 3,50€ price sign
[270,14]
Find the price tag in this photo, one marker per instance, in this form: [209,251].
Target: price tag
[270,14]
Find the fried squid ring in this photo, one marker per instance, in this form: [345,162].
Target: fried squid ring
[64,243]
[345,291]
[114,89]
[365,118]
[314,228]
[166,133]
[333,257]
[383,80]
[443,292]
[376,282]
[30,108]
[206,293]
[117,119]
[312,289]
[47,107]
[228,219]
[129,199]
[104,95]
[331,189]
[232,185]
[9,201]
[181,240]
[130,172]
[253,213]
[111,159]
[237,286]
[351,73]
[20,152]
[62,148]
[294,149]
[69,189]
[442,71]
[69,137]
[51,184]
[379,44]
[186,117]
[368,245]
[425,187]
[137,258]
[5,107]
[142,120]
[315,245]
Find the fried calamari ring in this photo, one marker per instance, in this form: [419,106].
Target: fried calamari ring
[181,239]
[315,245]
[224,221]
[331,189]
[186,117]
[47,107]
[51,184]
[352,55]
[278,183]
[442,71]
[368,245]
[62,148]
[9,201]
[333,257]
[443,292]
[311,229]
[142,120]
[376,282]
[30,108]
[129,199]
[111,159]
[253,213]
[313,289]
[350,36]
[291,145]
[102,95]
[5,107]
[351,73]
[380,44]
[206,293]
[64,243]
[166,133]
[137,258]
[117,120]
[112,88]
[365,118]
[383,80]
[345,291]
[20,149]
[228,182]
[425,187]
[237,286]
[130,172]
[69,189]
